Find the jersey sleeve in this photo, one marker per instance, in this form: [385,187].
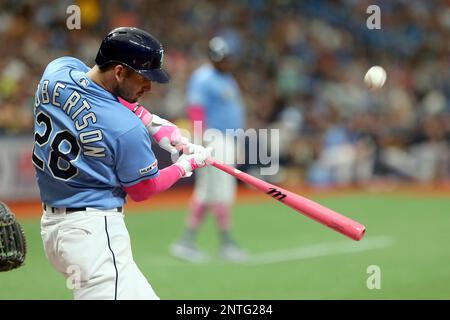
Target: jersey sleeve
[135,160]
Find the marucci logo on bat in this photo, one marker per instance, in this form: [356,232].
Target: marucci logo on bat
[274,193]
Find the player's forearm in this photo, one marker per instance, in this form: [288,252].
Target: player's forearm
[138,110]
[148,188]
[164,132]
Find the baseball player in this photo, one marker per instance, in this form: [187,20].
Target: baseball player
[215,102]
[91,152]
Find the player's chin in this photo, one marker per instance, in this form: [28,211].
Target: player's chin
[134,99]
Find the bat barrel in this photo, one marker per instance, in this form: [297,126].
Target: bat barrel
[311,209]
[324,215]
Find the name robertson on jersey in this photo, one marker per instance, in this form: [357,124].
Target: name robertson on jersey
[74,110]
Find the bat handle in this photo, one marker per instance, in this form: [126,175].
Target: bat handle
[211,161]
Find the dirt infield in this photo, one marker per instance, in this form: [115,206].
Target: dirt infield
[179,197]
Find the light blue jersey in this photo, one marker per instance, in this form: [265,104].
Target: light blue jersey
[88,146]
[219,95]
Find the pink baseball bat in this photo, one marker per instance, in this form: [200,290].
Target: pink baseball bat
[324,215]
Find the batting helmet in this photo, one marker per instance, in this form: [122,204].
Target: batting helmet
[135,49]
[218,49]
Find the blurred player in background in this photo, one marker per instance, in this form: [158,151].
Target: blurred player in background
[214,102]
[91,152]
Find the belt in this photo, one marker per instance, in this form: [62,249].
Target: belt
[71,210]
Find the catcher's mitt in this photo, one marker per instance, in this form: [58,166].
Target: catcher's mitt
[12,240]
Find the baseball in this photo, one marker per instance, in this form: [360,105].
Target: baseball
[375,78]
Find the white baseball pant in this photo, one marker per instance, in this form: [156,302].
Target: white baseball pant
[211,184]
[92,250]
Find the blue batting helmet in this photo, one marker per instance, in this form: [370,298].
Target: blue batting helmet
[135,49]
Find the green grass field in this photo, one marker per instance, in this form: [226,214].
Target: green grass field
[407,237]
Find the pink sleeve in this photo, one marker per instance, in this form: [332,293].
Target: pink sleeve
[140,111]
[196,113]
[147,188]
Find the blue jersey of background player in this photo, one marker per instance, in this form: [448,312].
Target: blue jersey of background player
[88,146]
[217,95]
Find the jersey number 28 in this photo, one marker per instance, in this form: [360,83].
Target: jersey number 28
[59,161]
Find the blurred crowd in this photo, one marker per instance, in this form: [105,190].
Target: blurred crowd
[300,65]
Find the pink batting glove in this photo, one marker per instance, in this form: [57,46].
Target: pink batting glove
[166,134]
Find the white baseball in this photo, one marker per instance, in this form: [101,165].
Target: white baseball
[375,78]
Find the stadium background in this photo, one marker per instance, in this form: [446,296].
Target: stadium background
[379,157]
